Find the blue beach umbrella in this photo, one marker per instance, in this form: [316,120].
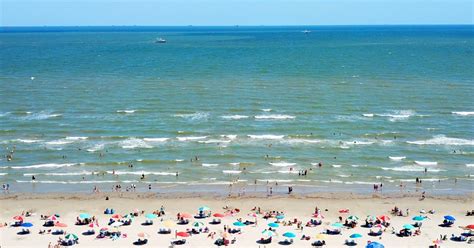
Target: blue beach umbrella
[337,224]
[355,236]
[279,217]
[375,245]
[408,226]
[418,218]
[268,233]
[238,223]
[204,208]
[150,216]
[450,218]
[273,224]
[27,224]
[84,216]
[289,235]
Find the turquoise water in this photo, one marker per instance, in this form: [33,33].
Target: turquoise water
[252,103]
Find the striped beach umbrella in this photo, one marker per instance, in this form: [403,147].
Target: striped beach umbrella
[71,236]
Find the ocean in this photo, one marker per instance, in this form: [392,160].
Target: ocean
[251,105]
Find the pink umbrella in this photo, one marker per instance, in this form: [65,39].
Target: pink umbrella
[58,224]
[53,218]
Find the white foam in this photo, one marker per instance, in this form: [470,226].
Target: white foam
[267,110]
[210,165]
[344,175]
[336,165]
[133,143]
[302,141]
[195,116]
[274,117]
[357,165]
[463,113]
[231,172]
[191,138]
[397,158]
[213,141]
[60,173]
[126,111]
[282,164]
[443,140]
[158,173]
[95,148]
[398,115]
[42,115]
[411,168]
[3,174]
[156,139]
[52,165]
[368,115]
[28,140]
[426,163]
[179,160]
[469,165]
[234,117]
[59,142]
[229,136]
[76,138]
[267,136]
[289,171]
[71,182]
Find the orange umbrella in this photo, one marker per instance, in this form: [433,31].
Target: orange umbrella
[59,224]
[185,215]
[117,216]
[182,234]
[218,215]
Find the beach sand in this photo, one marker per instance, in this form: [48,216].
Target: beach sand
[68,206]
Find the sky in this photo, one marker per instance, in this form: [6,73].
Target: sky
[233,12]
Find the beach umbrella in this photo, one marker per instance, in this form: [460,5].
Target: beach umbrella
[198,224]
[53,218]
[371,218]
[84,216]
[253,215]
[18,218]
[182,234]
[117,216]
[142,235]
[279,217]
[383,218]
[238,223]
[150,216]
[418,218]
[129,216]
[470,227]
[186,215]
[355,236]
[273,224]
[374,245]
[204,208]
[353,218]
[320,236]
[116,224]
[268,233]
[218,215]
[449,217]
[408,226]
[225,235]
[169,223]
[103,229]
[27,224]
[289,235]
[59,224]
[337,224]
[92,225]
[71,236]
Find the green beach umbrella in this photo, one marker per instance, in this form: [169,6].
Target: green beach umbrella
[129,216]
[150,216]
[84,216]
[198,224]
[355,236]
[71,236]
[353,218]
[337,224]
[418,218]
[408,226]
[238,223]
[289,235]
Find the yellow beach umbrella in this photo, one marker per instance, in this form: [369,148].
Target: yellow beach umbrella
[169,223]
[320,236]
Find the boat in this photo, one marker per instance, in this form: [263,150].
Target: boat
[160,40]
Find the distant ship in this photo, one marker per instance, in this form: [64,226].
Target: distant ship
[306,31]
[160,40]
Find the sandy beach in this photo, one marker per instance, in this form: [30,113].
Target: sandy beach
[69,205]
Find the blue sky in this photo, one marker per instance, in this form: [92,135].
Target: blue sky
[233,12]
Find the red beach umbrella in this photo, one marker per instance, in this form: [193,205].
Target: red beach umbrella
[182,234]
[186,215]
[117,216]
[18,218]
[383,218]
[218,215]
[470,227]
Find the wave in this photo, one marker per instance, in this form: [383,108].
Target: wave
[210,165]
[42,115]
[126,111]
[28,141]
[368,115]
[301,141]
[266,136]
[234,117]
[95,148]
[282,164]
[198,116]
[229,136]
[231,172]
[397,158]
[74,182]
[267,110]
[158,173]
[60,173]
[3,174]
[59,142]
[274,117]
[156,139]
[133,143]
[336,165]
[443,140]
[289,171]
[76,138]
[35,166]
[398,115]
[411,168]
[469,165]
[426,163]
[213,141]
[463,113]
[191,138]
[179,160]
